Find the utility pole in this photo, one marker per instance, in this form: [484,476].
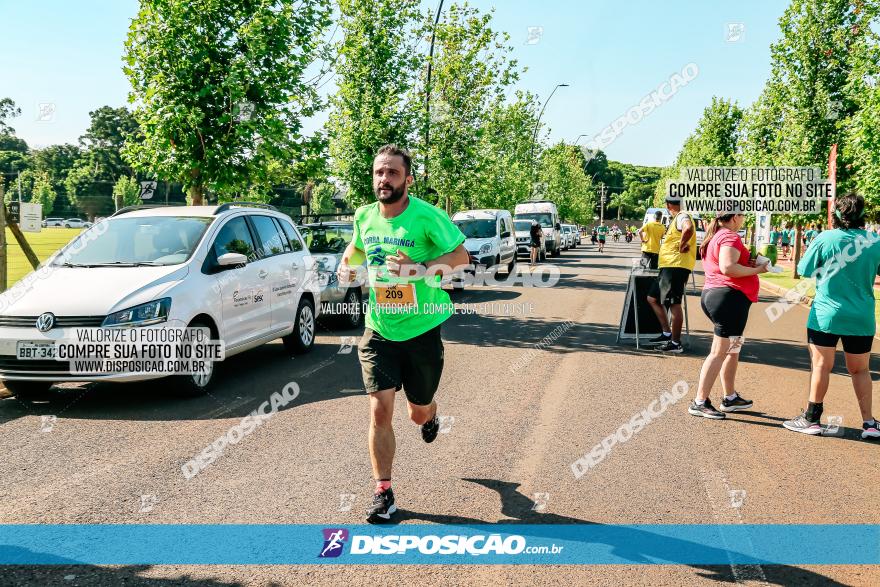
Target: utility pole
[428,94]
[2,237]
[601,191]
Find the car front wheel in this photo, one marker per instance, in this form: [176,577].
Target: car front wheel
[200,382]
[302,338]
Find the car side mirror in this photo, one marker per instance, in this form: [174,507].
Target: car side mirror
[505,234]
[558,226]
[232,260]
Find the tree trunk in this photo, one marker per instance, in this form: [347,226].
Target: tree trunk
[196,195]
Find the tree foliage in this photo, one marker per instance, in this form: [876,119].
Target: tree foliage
[219,88]
[376,68]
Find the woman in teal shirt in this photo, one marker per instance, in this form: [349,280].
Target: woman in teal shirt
[844,262]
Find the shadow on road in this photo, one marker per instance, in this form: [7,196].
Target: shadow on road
[632,544]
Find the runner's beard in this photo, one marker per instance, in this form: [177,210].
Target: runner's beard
[396,194]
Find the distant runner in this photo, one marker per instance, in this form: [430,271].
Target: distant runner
[602,233]
[406,242]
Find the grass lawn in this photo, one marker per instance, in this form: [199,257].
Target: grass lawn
[44,243]
[787,281]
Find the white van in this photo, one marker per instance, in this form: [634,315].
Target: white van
[545,212]
[489,237]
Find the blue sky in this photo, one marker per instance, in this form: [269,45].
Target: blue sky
[612,53]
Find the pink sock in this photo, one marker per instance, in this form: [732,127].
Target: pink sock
[382,485]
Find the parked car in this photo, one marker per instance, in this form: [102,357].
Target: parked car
[489,237]
[74,223]
[568,236]
[524,240]
[576,230]
[545,212]
[59,222]
[327,242]
[243,272]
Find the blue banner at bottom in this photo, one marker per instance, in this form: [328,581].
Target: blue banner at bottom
[581,544]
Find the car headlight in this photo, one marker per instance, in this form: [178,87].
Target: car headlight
[143,315]
[485,248]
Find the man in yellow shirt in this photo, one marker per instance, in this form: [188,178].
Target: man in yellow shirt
[651,233]
[678,255]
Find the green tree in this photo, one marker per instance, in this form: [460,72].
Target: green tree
[8,110]
[505,171]
[219,89]
[126,192]
[471,71]
[562,176]
[91,197]
[104,140]
[863,128]
[375,68]
[44,193]
[714,142]
[322,198]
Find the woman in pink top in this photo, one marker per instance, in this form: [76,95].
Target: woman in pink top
[730,288]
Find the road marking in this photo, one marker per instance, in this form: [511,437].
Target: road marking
[718,492]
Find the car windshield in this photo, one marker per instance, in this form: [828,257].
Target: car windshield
[472,228]
[544,218]
[523,225]
[327,239]
[143,240]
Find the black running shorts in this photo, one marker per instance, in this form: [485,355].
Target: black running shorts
[855,345]
[415,364]
[727,308]
[668,288]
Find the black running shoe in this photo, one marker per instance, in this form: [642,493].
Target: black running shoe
[736,404]
[871,430]
[706,410]
[804,426]
[670,346]
[661,338]
[430,429]
[382,507]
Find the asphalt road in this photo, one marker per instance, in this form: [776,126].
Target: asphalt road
[516,420]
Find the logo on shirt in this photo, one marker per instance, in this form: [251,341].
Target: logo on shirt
[376,255]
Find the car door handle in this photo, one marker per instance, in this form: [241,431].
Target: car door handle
[263,273]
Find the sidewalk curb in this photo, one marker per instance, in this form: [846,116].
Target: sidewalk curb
[805,301]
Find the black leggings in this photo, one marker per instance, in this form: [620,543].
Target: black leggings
[727,308]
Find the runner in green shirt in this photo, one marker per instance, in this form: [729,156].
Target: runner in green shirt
[602,231]
[406,243]
[845,263]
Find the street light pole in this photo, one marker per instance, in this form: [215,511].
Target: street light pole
[535,134]
[428,93]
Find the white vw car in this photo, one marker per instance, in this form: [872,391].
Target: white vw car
[239,269]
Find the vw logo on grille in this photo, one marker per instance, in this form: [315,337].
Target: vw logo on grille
[46,321]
